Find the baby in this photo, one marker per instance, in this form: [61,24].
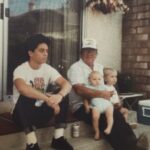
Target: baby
[110,78]
[99,105]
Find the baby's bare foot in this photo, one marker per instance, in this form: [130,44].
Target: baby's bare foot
[97,136]
[107,130]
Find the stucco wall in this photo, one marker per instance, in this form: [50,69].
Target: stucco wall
[107,30]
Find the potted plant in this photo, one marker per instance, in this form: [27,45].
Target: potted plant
[107,6]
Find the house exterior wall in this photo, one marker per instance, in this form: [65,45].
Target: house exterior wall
[136,44]
[107,30]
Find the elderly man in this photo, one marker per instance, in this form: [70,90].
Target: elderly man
[121,136]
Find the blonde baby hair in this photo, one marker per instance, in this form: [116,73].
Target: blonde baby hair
[107,71]
[93,73]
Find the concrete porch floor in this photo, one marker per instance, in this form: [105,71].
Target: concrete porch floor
[84,142]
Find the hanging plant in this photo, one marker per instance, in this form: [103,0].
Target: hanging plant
[107,6]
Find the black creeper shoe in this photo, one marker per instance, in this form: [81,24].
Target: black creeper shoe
[61,144]
[32,147]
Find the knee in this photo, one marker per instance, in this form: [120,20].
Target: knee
[96,115]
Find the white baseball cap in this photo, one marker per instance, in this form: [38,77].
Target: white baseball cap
[89,43]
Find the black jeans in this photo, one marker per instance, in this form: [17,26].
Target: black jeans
[26,114]
[121,137]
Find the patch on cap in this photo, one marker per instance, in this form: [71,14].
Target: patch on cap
[89,43]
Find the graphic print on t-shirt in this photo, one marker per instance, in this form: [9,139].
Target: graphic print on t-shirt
[38,84]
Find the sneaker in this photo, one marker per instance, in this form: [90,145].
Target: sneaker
[61,144]
[142,142]
[32,147]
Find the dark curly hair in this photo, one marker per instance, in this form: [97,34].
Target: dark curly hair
[33,41]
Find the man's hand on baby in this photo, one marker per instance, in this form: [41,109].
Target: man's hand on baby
[107,94]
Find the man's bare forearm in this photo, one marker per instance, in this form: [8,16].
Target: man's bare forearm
[90,93]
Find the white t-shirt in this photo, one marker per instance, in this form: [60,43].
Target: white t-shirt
[115,98]
[78,73]
[37,78]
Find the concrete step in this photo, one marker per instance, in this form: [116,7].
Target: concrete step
[80,143]
[84,142]
[17,141]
